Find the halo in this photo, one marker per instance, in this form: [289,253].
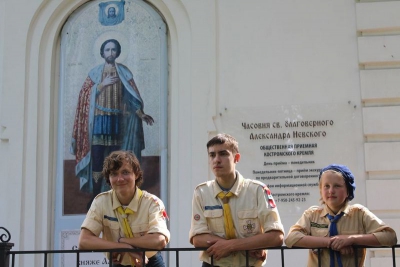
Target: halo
[119,36]
[108,7]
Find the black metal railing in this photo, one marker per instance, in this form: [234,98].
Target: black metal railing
[6,253]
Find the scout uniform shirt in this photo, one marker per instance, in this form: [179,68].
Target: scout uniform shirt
[357,219]
[253,212]
[148,217]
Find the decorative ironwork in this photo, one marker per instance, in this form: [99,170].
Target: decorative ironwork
[5,237]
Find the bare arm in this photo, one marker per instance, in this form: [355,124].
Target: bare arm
[88,240]
[148,241]
[340,241]
[337,242]
[222,248]
[203,240]
[264,240]
[308,241]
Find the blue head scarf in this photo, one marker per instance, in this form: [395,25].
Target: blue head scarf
[347,175]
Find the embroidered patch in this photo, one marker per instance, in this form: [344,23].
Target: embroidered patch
[111,218]
[317,225]
[165,215]
[271,201]
[196,217]
[215,207]
[249,226]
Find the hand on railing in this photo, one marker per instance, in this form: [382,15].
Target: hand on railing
[137,258]
[259,254]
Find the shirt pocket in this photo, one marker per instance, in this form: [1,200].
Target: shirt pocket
[249,224]
[140,229]
[215,219]
[319,231]
[111,229]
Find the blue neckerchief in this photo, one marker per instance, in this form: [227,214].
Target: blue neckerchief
[332,232]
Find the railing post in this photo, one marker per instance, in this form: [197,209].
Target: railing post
[5,247]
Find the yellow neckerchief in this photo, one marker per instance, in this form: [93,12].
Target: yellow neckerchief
[228,221]
[125,224]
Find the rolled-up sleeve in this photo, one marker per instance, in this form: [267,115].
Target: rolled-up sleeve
[384,233]
[269,216]
[298,230]
[386,237]
[157,220]
[94,219]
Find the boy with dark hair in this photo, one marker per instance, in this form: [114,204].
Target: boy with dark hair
[231,214]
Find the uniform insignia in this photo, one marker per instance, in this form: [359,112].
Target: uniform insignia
[165,215]
[271,201]
[196,217]
[249,226]
[111,218]
[215,207]
[317,225]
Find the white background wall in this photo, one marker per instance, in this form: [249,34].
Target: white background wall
[223,54]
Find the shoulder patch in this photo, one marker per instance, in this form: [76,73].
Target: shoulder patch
[159,203]
[265,188]
[271,201]
[165,215]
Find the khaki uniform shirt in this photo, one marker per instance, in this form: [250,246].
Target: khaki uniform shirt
[148,217]
[357,219]
[253,212]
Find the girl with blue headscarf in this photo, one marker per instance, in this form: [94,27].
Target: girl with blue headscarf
[336,225]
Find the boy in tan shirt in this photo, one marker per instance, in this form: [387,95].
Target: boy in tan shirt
[231,214]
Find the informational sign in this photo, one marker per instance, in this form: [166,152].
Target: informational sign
[285,147]
[69,241]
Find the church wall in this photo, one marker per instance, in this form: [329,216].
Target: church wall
[378,49]
[224,55]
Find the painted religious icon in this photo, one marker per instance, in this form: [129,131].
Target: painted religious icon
[114,94]
[111,12]
[108,117]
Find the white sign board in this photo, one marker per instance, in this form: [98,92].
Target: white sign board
[286,146]
[69,241]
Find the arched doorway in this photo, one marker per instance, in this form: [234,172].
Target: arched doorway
[141,34]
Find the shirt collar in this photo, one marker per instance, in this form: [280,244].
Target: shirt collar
[236,188]
[133,205]
[345,209]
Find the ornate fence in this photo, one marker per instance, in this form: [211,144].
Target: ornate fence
[7,256]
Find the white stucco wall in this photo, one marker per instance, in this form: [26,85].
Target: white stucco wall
[224,54]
